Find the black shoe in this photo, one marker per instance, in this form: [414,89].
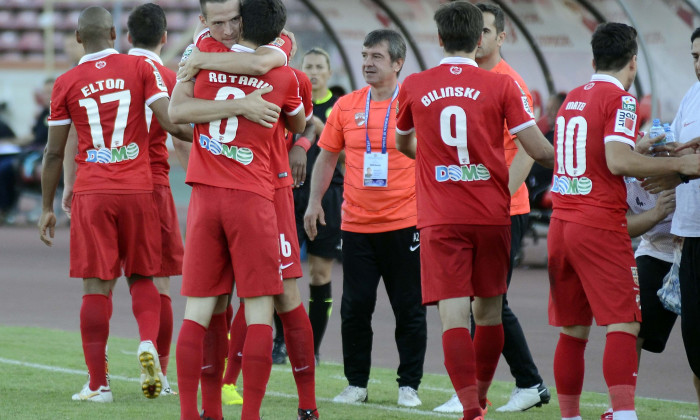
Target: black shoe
[318,359]
[279,352]
[307,414]
[545,395]
[203,417]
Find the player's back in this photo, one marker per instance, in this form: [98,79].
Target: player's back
[458,111]
[584,189]
[235,153]
[105,98]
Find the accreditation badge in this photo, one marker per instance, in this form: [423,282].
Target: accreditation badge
[376,169]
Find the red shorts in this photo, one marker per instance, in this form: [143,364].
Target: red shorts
[289,242]
[171,239]
[463,260]
[111,233]
[592,273]
[231,236]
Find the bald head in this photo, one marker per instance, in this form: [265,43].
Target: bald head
[96,28]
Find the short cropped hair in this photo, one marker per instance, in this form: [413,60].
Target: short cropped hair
[397,46]
[497,12]
[696,33]
[263,20]
[147,24]
[459,25]
[614,44]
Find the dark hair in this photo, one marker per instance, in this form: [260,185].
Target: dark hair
[147,25]
[497,12]
[263,20]
[614,45]
[319,51]
[696,33]
[459,25]
[397,46]
[203,4]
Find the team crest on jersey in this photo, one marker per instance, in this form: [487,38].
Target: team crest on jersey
[100,64]
[278,42]
[629,103]
[589,86]
[625,122]
[360,119]
[455,70]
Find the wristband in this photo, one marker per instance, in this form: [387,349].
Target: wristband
[304,143]
[684,178]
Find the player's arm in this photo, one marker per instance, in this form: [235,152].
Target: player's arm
[263,60]
[638,224]
[182,151]
[321,179]
[185,108]
[50,177]
[519,168]
[69,170]
[406,143]
[537,146]
[297,154]
[159,107]
[621,159]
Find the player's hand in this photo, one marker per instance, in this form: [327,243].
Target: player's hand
[189,67]
[290,34]
[314,213]
[658,184]
[259,110]
[297,163]
[67,201]
[691,146]
[47,222]
[690,164]
[665,204]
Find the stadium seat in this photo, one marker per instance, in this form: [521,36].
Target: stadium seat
[31,41]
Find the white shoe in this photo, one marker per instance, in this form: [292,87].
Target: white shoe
[522,399]
[166,390]
[408,397]
[451,406]
[151,375]
[102,395]
[352,394]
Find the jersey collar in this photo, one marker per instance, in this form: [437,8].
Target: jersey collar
[146,53]
[459,60]
[96,56]
[607,78]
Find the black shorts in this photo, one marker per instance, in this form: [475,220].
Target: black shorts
[657,321]
[327,243]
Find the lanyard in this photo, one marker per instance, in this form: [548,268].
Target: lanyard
[386,120]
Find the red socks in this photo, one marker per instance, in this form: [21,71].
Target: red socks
[189,367]
[488,345]
[460,363]
[94,330]
[235,347]
[257,364]
[569,368]
[165,332]
[299,338]
[620,369]
[145,303]
[215,347]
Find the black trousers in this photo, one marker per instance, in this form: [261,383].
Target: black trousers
[515,348]
[394,257]
[689,276]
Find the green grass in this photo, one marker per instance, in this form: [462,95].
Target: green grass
[40,369]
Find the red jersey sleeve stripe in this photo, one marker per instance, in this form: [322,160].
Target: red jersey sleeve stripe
[620,139]
[155,97]
[513,131]
[52,123]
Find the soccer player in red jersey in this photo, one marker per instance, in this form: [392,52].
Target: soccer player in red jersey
[457,111]
[147,33]
[592,269]
[231,227]
[114,225]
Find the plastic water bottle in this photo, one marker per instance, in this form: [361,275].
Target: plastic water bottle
[655,131]
[669,134]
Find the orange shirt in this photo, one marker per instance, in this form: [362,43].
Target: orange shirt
[370,209]
[520,201]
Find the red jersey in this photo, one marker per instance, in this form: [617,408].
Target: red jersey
[158,151]
[280,152]
[585,191]
[458,110]
[236,153]
[104,98]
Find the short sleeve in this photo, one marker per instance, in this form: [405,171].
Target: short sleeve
[292,104]
[282,44]
[58,110]
[621,122]
[305,89]
[518,112]
[154,85]
[332,138]
[404,113]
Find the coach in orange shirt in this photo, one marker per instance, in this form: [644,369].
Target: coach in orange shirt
[379,236]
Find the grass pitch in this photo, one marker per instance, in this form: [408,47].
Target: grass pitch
[37,381]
